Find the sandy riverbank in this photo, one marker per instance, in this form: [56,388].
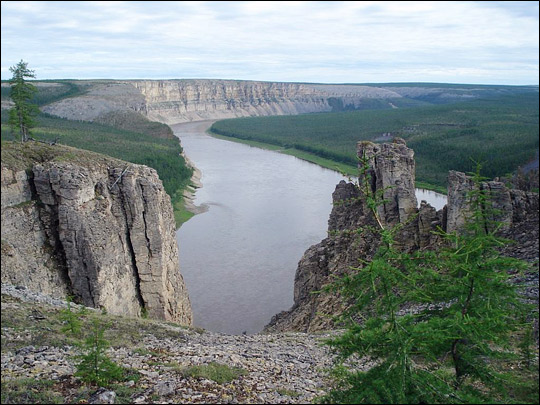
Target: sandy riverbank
[189,192]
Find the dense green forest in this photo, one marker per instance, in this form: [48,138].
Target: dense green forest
[501,132]
[132,138]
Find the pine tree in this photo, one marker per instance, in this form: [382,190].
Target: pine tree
[21,115]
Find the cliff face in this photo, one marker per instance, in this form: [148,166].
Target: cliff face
[185,100]
[176,101]
[391,169]
[79,223]
[193,100]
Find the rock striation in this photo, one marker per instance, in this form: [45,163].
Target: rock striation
[391,172]
[185,100]
[97,228]
[172,102]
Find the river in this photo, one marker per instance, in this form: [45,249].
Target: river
[265,209]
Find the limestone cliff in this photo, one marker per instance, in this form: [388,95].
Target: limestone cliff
[80,223]
[185,100]
[176,101]
[391,171]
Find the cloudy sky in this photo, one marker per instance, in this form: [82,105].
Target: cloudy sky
[481,42]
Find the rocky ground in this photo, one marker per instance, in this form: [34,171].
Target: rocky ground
[38,360]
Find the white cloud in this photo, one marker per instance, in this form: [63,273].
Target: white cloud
[347,41]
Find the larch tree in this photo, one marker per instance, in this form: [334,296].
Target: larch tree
[437,326]
[21,116]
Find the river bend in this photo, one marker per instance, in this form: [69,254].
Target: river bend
[265,209]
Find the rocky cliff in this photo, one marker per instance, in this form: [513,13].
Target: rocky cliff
[176,101]
[100,229]
[194,100]
[185,100]
[391,173]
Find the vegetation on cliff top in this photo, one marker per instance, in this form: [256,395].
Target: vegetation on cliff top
[162,362]
[126,136]
[50,331]
[439,326]
[18,156]
[21,116]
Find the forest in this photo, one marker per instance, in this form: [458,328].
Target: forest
[500,132]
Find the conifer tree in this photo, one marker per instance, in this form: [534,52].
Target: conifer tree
[72,321]
[427,327]
[21,115]
[95,366]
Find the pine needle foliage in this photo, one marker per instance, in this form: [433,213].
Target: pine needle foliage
[429,327]
[72,321]
[95,366]
[21,116]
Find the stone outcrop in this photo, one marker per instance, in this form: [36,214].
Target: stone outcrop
[391,173]
[194,100]
[511,206]
[177,101]
[75,222]
[185,100]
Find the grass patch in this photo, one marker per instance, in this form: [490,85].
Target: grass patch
[220,373]
[30,391]
[122,331]
[347,169]
[21,156]
[143,351]
[256,144]
[24,204]
[175,366]
[181,214]
[124,393]
[287,392]
[432,187]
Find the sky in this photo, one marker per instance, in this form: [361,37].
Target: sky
[476,42]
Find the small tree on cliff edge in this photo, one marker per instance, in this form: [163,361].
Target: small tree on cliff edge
[436,326]
[21,115]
